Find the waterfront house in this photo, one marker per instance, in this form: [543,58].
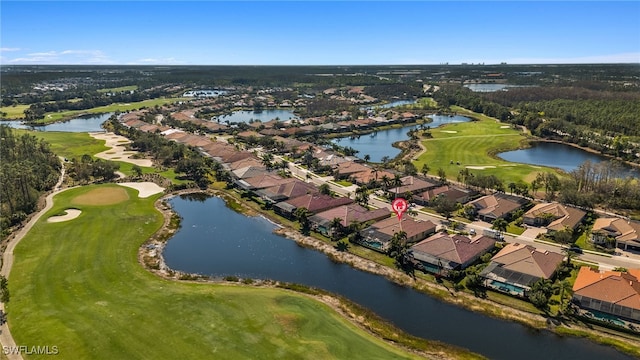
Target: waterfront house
[348,214]
[554,216]
[443,252]
[413,185]
[289,189]
[313,202]
[514,268]
[378,236]
[609,296]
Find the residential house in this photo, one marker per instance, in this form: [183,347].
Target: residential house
[287,190]
[609,296]
[497,206]
[344,170]
[313,202]
[378,236]
[443,252]
[413,185]
[554,216]
[348,214]
[514,268]
[624,233]
[452,193]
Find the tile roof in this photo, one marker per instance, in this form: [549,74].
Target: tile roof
[621,229]
[564,216]
[611,286]
[353,212]
[454,248]
[409,225]
[526,259]
[495,205]
[317,202]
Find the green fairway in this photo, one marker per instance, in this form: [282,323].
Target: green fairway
[119,89]
[474,145]
[69,144]
[14,112]
[78,285]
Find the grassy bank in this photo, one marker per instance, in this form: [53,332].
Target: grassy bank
[78,285]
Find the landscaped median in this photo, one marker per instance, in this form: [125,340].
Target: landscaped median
[78,285]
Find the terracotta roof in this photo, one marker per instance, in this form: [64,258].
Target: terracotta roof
[495,206]
[364,177]
[350,167]
[526,259]
[621,229]
[410,226]
[412,184]
[317,202]
[564,216]
[290,189]
[454,248]
[611,286]
[263,181]
[250,161]
[353,212]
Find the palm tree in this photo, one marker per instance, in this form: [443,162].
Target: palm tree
[398,244]
[564,287]
[396,182]
[512,187]
[336,228]
[362,196]
[386,182]
[366,158]
[302,214]
[425,169]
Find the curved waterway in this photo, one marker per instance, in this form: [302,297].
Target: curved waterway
[85,123]
[214,240]
[380,143]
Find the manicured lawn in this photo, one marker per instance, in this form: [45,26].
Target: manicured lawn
[474,145]
[119,89]
[14,112]
[69,144]
[78,285]
[56,116]
[343,183]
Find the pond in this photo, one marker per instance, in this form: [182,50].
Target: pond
[558,155]
[389,105]
[380,144]
[84,123]
[216,241]
[263,116]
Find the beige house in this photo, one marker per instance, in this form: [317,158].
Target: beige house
[622,233]
[554,216]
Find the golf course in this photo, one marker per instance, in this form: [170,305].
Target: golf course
[473,145]
[78,285]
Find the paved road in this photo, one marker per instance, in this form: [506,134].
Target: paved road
[7,262]
[604,262]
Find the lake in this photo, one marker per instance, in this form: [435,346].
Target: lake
[378,145]
[491,87]
[558,155]
[84,123]
[263,116]
[214,240]
[389,105]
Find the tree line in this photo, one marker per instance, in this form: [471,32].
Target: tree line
[28,168]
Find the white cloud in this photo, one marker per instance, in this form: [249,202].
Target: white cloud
[74,57]
[7,49]
[157,61]
[594,59]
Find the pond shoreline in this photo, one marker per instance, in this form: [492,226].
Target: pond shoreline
[151,257]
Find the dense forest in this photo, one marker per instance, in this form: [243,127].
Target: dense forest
[28,168]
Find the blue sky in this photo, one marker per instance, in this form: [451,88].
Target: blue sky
[318,33]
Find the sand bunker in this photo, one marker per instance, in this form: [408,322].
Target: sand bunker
[449,131]
[117,150]
[505,126]
[145,189]
[481,167]
[69,214]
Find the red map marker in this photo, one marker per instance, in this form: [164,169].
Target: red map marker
[400,206]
